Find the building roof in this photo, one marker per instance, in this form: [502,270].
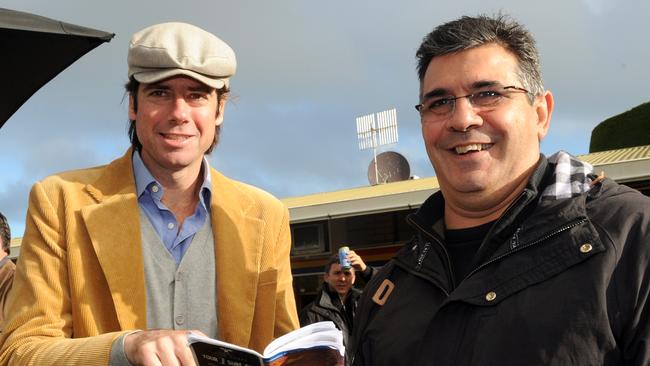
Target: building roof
[622,165]
[619,155]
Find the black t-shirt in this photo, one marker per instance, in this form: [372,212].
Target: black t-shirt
[462,245]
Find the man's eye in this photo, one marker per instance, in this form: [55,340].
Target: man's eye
[488,94]
[486,97]
[440,103]
[198,96]
[157,93]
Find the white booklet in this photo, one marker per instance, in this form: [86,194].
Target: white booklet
[318,344]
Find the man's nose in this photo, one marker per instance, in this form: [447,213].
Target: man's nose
[180,110]
[464,116]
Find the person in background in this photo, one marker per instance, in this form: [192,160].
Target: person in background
[338,298]
[119,262]
[7,267]
[519,258]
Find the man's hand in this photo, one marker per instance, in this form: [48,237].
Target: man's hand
[159,347]
[356,261]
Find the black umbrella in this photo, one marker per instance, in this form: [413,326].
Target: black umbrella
[33,50]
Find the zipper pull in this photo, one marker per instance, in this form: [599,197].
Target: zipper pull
[423,254]
[514,240]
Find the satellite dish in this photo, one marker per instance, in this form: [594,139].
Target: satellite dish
[391,167]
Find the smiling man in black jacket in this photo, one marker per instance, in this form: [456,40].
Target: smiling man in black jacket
[519,259]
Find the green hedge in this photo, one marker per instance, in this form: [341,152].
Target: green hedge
[631,128]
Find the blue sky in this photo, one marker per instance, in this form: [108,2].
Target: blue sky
[306,70]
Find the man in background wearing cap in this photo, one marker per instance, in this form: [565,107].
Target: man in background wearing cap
[156,241]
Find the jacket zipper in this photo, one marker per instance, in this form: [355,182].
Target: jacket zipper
[449,270]
[530,244]
[425,251]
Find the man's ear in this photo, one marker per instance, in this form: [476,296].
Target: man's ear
[544,107]
[221,109]
[132,112]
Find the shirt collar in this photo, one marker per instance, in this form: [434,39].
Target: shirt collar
[144,179]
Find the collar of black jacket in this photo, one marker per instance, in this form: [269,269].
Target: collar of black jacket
[432,211]
[528,219]
[528,207]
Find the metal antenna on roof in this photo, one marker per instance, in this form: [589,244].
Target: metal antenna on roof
[377,129]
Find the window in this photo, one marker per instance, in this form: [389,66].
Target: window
[388,228]
[309,238]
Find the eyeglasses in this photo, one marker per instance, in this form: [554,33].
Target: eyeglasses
[484,100]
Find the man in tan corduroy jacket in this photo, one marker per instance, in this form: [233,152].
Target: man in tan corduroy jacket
[108,251]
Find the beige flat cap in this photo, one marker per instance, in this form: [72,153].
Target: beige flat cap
[169,49]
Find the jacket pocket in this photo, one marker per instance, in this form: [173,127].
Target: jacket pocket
[529,266]
[265,309]
[267,277]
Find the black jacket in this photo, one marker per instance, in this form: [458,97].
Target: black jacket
[326,308]
[555,282]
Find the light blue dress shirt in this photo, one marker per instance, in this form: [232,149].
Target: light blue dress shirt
[150,193]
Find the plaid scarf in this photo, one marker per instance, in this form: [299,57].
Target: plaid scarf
[571,177]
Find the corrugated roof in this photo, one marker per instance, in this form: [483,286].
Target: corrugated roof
[616,156]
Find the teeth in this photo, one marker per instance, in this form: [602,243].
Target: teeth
[472,147]
[175,137]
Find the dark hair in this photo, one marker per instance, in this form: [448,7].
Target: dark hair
[5,234]
[334,259]
[469,32]
[132,89]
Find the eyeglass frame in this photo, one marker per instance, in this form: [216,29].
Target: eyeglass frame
[453,99]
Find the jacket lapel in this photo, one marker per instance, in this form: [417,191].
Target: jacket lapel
[238,239]
[113,225]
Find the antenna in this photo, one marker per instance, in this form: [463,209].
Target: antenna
[377,129]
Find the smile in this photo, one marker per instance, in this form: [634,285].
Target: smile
[175,137]
[461,150]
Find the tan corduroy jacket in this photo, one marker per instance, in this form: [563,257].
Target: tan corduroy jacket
[79,280]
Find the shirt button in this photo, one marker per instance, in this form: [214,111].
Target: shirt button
[586,248]
[155,189]
[170,225]
[180,320]
[490,296]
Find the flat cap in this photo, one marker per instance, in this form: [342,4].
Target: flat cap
[169,49]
